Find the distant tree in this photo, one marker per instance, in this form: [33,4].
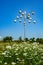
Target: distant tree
[20,39]
[7,39]
[37,40]
[32,40]
[40,40]
[26,39]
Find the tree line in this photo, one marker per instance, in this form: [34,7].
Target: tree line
[31,40]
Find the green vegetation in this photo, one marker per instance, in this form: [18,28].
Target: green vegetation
[7,39]
[31,40]
[40,40]
[19,53]
[22,54]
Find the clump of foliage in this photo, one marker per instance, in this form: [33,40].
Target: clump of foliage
[20,39]
[26,39]
[40,40]
[7,39]
[22,54]
[32,40]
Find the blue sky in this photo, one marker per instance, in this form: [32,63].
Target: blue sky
[8,12]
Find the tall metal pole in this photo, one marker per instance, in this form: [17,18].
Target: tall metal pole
[24,32]
[24,27]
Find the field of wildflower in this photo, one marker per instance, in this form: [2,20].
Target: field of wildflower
[22,54]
